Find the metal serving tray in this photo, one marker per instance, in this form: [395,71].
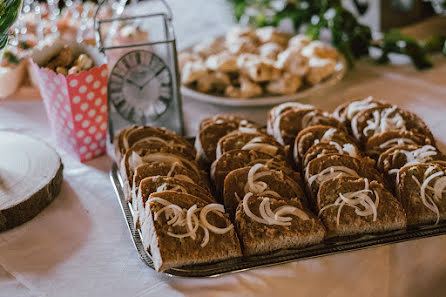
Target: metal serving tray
[329,247]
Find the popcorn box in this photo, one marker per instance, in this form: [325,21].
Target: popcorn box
[76,104]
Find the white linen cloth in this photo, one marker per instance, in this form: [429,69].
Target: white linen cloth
[80,245]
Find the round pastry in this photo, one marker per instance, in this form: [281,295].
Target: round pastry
[316,134]
[345,112]
[336,146]
[421,190]
[258,179]
[212,129]
[290,121]
[255,141]
[349,206]
[379,143]
[327,167]
[373,121]
[393,159]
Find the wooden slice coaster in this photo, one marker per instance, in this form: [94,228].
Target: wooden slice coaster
[30,178]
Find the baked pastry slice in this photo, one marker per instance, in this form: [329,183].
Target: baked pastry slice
[155,184]
[422,192]
[243,158]
[373,121]
[378,144]
[260,180]
[134,158]
[328,167]
[290,122]
[335,146]
[132,135]
[316,134]
[345,112]
[394,158]
[277,111]
[349,206]
[212,129]
[169,169]
[266,224]
[181,230]
[255,141]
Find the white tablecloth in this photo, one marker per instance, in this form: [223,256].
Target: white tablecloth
[80,245]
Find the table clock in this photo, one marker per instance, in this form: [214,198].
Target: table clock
[143,79]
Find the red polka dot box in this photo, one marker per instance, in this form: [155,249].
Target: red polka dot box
[76,104]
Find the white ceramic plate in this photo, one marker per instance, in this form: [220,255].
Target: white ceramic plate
[341,68]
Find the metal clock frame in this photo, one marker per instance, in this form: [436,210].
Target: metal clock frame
[169,40]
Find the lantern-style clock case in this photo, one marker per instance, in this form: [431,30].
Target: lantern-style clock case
[143,81]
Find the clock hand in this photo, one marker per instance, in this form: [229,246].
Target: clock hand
[133,83]
[155,75]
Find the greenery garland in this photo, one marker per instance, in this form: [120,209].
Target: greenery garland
[9,11]
[350,37]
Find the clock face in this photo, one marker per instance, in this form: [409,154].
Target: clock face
[140,86]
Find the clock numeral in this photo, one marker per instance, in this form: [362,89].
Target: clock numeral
[113,91]
[119,103]
[118,75]
[126,63]
[156,63]
[138,58]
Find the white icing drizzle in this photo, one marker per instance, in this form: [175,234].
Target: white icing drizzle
[395,141]
[359,200]
[357,106]
[345,148]
[170,159]
[337,146]
[307,119]
[276,130]
[169,174]
[177,216]
[256,144]
[350,149]
[247,129]
[277,111]
[311,119]
[269,217]
[421,155]
[135,160]
[328,135]
[436,192]
[276,117]
[329,173]
[383,121]
[176,188]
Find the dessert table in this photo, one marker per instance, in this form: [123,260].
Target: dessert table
[80,245]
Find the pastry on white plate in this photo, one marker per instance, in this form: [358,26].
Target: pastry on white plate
[193,71]
[287,84]
[270,50]
[247,89]
[320,69]
[292,61]
[271,34]
[319,49]
[224,61]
